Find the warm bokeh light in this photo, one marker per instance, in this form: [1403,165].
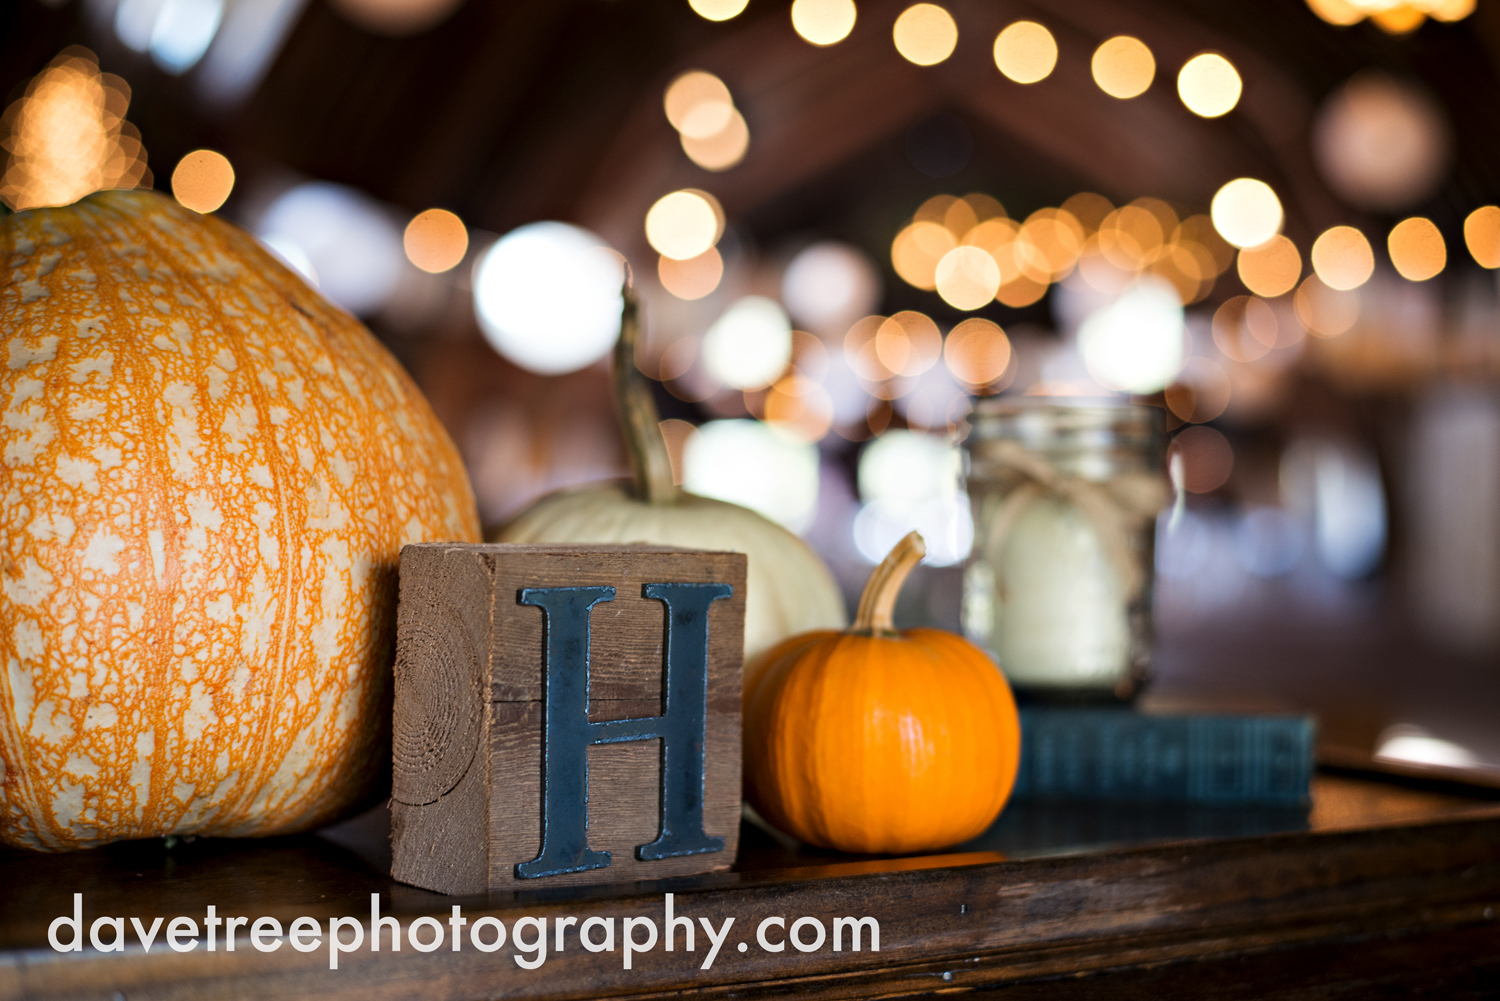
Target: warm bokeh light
[1448,10]
[1146,237]
[547,296]
[1337,12]
[1199,230]
[677,361]
[394,18]
[1131,237]
[983,206]
[1402,19]
[718,10]
[1325,311]
[693,278]
[1089,209]
[859,350]
[916,251]
[800,407]
[68,137]
[998,238]
[436,240]
[1187,267]
[1165,215]
[908,343]
[1342,257]
[1395,17]
[722,150]
[925,34]
[750,345]
[960,217]
[823,22]
[1020,292]
[1048,246]
[698,104]
[935,209]
[1204,457]
[967,278]
[1124,67]
[1417,249]
[977,352]
[1201,391]
[683,225]
[1209,85]
[1245,328]
[1482,235]
[1246,212]
[203,180]
[1272,268]
[1026,52]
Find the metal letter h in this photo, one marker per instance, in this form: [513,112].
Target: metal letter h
[568,733]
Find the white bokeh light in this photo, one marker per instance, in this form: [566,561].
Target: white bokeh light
[134,21]
[750,344]
[1382,143]
[548,297]
[182,32]
[244,48]
[912,481]
[290,253]
[349,240]
[1246,212]
[829,285]
[753,465]
[1138,343]
[1413,745]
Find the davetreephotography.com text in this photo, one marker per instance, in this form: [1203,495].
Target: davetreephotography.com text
[532,939]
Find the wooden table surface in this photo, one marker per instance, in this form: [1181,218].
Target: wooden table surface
[1381,889]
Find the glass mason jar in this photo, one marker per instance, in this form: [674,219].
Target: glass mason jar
[1058,587]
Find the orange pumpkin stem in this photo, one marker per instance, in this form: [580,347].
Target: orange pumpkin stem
[640,422]
[877,603]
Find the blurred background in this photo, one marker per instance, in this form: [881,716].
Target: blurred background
[848,219]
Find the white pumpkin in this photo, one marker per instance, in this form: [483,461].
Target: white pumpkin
[789,589]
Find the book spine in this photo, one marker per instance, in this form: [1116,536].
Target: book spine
[1202,759]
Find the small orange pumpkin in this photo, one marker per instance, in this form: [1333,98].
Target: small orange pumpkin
[871,740]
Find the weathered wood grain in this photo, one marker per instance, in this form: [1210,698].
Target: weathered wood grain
[469,711]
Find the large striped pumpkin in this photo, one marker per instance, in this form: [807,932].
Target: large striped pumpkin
[207,475]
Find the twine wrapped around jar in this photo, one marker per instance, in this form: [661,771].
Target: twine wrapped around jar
[1115,508]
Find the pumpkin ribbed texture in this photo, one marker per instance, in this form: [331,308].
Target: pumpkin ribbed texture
[208,474]
[875,741]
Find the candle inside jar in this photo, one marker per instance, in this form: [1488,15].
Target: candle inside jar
[1058,589]
[1048,602]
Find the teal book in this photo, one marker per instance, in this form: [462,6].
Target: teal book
[1119,753]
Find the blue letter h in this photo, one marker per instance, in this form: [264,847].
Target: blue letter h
[568,732]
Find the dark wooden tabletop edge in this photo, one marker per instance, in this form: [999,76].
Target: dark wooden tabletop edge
[1472,783]
[973,971]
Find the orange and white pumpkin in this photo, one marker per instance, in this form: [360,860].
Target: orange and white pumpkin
[207,473]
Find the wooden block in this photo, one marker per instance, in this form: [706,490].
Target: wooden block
[481,725]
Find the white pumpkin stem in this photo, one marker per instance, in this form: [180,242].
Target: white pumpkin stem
[876,615]
[640,422]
